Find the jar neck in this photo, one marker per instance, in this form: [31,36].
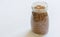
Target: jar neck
[40,11]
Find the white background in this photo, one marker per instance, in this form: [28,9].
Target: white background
[15,17]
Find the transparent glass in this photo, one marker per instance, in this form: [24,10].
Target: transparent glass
[39,18]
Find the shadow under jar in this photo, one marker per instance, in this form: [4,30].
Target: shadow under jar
[39,19]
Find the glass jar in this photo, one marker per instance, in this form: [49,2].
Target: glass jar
[39,18]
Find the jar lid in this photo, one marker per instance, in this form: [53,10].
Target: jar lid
[39,6]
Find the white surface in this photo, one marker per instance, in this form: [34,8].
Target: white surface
[15,18]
